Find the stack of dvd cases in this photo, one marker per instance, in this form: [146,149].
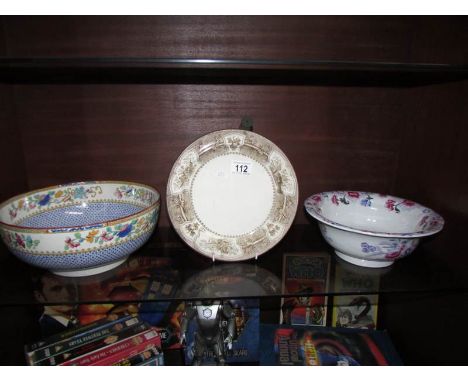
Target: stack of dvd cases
[125,341]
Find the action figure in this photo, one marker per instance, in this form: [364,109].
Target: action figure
[209,336]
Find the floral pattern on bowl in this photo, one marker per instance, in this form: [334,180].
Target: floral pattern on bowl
[371,229]
[79,229]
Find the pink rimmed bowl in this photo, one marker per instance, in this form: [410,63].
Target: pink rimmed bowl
[370,229]
[79,229]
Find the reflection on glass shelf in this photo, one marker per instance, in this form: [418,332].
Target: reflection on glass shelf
[231,280]
[166,270]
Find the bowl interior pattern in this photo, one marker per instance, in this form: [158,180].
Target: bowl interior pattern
[373,214]
[76,205]
[80,215]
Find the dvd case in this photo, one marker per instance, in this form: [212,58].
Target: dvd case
[141,358]
[287,345]
[141,351]
[93,334]
[99,355]
[66,356]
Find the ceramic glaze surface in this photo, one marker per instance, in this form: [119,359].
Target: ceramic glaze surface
[370,229]
[79,229]
[216,195]
[232,195]
[82,214]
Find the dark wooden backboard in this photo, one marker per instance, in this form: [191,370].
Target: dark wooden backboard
[361,38]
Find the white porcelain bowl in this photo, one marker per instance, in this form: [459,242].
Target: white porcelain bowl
[79,229]
[369,229]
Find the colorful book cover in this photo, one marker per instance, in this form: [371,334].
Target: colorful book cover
[318,346]
[120,290]
[126,283]
[355,310]
[303,274]
[246,322]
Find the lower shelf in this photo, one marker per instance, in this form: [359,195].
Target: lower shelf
[421,300]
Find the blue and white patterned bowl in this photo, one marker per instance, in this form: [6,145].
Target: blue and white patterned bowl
[370,229]
[79,229]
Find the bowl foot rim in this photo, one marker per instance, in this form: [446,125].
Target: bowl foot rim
[363,262]
[88,271]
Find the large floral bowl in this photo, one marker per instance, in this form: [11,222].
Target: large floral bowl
[79,229]
[371,230]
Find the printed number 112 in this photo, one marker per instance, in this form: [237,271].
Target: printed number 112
[241,168]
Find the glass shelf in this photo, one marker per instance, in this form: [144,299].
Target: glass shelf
[225,71]
[176,273]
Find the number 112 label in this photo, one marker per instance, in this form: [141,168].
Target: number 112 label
[241,168]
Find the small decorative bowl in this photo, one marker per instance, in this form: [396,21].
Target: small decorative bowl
[369,229]
[79,229]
